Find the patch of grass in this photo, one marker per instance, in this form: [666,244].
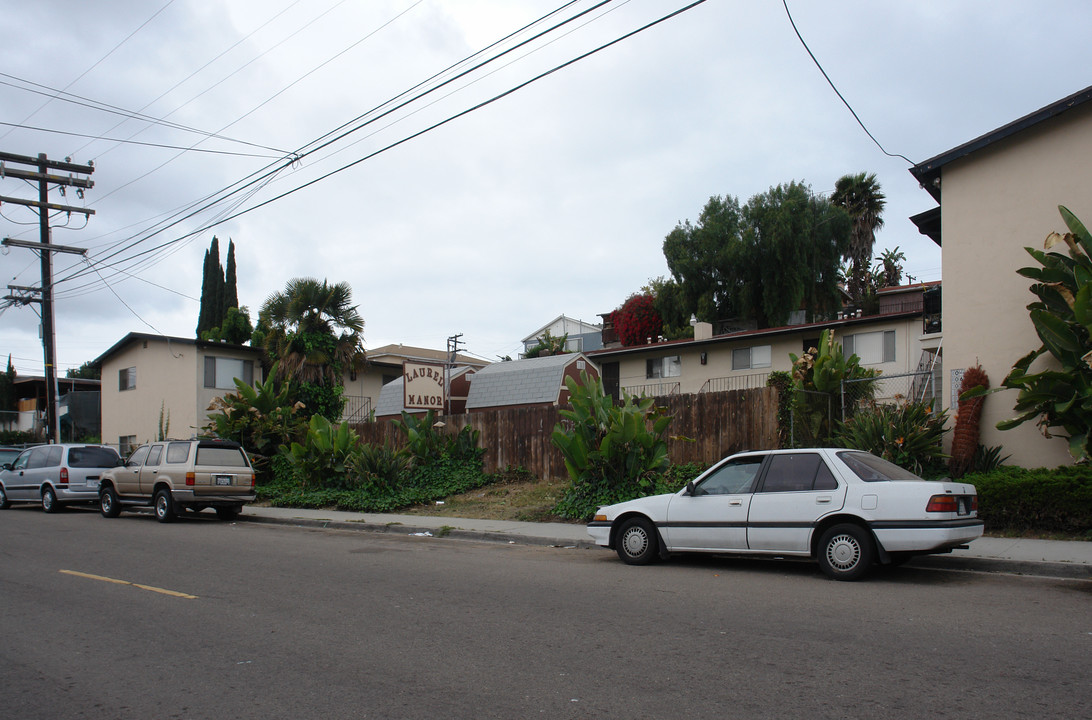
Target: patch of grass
[525,501]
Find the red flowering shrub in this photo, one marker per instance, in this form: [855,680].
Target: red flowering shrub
[637,320]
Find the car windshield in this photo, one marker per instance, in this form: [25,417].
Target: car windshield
[92,457]
[870,468]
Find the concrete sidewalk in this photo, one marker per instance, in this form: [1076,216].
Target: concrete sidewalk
[1047,558]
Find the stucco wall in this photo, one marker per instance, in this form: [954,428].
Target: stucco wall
[995,202]
[169,376]
[164,379]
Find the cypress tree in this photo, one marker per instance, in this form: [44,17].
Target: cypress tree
[231,292]
[203,314]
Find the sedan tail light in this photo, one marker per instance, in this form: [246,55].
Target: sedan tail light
[942,503]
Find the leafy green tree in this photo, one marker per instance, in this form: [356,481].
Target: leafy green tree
[861,197]
[314,334]
[778,253]
[87,371]
[235,329]
[669,303]
[1058,397]
[7,388]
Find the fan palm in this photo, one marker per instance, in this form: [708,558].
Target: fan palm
[861,197]
[314,331]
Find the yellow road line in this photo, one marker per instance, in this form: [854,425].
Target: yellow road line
[161,591]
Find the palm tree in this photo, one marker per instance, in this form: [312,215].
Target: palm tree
[312,332]
[861,197]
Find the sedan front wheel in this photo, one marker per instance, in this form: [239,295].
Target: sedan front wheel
[637,542]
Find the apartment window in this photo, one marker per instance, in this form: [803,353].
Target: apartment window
[220,372]
[663,367]
[872,348]
[751,357]
[126,443]
[127,378]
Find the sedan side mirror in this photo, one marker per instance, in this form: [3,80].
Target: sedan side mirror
[690,488]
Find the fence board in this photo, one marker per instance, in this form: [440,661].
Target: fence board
[707,427]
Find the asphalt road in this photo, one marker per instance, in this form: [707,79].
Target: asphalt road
[128,618]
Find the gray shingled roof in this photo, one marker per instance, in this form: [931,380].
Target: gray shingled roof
[520,382]
[390,399]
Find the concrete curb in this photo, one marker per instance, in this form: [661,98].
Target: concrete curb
[1068,571]
[403,529]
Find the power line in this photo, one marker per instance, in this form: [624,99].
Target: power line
[835,89]
[273,169]
[137,142]
[97,62]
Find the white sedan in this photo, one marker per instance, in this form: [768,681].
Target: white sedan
[845,508]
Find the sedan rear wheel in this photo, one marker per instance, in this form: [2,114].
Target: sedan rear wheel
[845,552]
[637,542]
[164,506]
[4,502]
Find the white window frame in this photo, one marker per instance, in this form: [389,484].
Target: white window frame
[127,379]
[667,366]
[880,346]
[220,372]
[758,356]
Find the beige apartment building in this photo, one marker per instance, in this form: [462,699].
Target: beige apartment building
[144,375]
[998,194]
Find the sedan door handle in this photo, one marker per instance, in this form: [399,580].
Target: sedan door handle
[735,501]
[823,500]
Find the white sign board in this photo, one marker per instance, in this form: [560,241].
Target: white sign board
[423,386]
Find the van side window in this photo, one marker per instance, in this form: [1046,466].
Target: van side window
[178,452]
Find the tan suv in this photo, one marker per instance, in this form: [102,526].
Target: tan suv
[177,475]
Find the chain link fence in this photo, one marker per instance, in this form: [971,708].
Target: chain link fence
[815,415]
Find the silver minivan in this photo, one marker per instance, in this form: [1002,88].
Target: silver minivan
[56,475]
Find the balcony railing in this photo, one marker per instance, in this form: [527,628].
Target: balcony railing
[735,382]
[358,409]
[653,389]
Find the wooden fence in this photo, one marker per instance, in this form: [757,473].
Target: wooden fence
[707,427]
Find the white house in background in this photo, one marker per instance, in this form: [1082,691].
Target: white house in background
[145,375]
[582,336]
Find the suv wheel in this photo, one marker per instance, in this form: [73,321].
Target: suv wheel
[109,505]
[49,500]
[164,506]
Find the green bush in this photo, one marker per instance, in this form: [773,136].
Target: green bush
[326,455]
[420,485]
[612,453]
[908,434]
[1014,500]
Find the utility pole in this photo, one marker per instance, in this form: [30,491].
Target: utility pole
[40,172]
[453,344]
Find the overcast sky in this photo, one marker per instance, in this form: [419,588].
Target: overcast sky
[553,199]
